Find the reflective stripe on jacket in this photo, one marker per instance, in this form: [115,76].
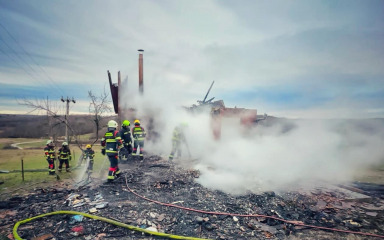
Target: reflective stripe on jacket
[49,152]
[125,134]
[138,133]
[178,134]
[89,153]
[64,153]
[112,141]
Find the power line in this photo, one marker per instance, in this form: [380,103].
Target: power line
[25,51]
[15,53]
[20,65]
[52,85]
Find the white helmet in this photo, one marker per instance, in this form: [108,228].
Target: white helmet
[112,124]
[64,144]
[49,142]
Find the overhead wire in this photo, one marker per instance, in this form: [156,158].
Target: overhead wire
[51,83]
[19,57]
[29,55]
[6,54]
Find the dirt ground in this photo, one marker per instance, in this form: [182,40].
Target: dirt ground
[215,214]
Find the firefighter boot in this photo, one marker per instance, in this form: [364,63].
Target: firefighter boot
[118,173]
[111,176]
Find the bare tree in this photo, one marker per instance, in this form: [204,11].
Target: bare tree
[98,107]
[54,119]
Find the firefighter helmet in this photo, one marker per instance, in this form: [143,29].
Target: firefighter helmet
[64,144]
[49,142]
[126,123]
[112,124]
[88,146]
[137,121]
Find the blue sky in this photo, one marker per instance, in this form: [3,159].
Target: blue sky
[305,59]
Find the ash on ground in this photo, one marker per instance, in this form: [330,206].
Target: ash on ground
[157,179]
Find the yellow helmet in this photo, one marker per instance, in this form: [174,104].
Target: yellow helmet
[137,121]
[88,146]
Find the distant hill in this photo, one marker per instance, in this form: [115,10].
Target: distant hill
[37,126]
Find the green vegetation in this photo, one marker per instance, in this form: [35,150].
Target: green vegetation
[34,144]
[10,159]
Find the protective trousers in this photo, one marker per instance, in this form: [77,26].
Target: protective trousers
[138,145]
[51,165]
[176,147]
[90,165]
[65,161]
[128,147]
[114,170]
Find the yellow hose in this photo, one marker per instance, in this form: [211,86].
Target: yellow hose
[130,227]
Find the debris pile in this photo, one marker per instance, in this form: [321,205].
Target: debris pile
[165,183]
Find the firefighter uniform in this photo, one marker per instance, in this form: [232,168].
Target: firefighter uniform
[64,157]
[89,153]
[111,143]
[50,155]
[125,134]
[177,138]
[138,134]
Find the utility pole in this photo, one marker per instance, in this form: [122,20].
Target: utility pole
[68,100]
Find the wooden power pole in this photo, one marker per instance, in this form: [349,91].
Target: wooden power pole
[68,100]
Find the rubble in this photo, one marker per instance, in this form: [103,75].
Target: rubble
[160,181]
[76,218]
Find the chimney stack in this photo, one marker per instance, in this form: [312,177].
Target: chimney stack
[141,81]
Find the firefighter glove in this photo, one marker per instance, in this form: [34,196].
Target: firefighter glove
[103,151]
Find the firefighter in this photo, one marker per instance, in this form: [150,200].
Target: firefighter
[111,142]
[64,157]
[125,134]
[89,153]
[50,155]
[178,137]
[138,134]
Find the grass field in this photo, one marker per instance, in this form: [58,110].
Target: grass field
[34,158]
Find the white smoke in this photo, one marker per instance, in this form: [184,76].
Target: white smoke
[266,157]
[271,159]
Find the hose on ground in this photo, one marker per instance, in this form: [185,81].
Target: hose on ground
[114,222]
[297,223]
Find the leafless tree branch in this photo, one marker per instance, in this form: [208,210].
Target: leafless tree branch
[51,110]
[98,107]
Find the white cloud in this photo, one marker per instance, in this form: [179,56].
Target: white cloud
[188,44]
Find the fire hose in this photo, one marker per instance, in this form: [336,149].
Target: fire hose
[297,223]
[117,223]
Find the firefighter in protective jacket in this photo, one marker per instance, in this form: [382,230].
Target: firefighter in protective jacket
[125,133]
[89,153]
[111,142]
[178,137]
[64,156]
[50,155]
[138,134]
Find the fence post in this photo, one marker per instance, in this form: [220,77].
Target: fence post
[22,168]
